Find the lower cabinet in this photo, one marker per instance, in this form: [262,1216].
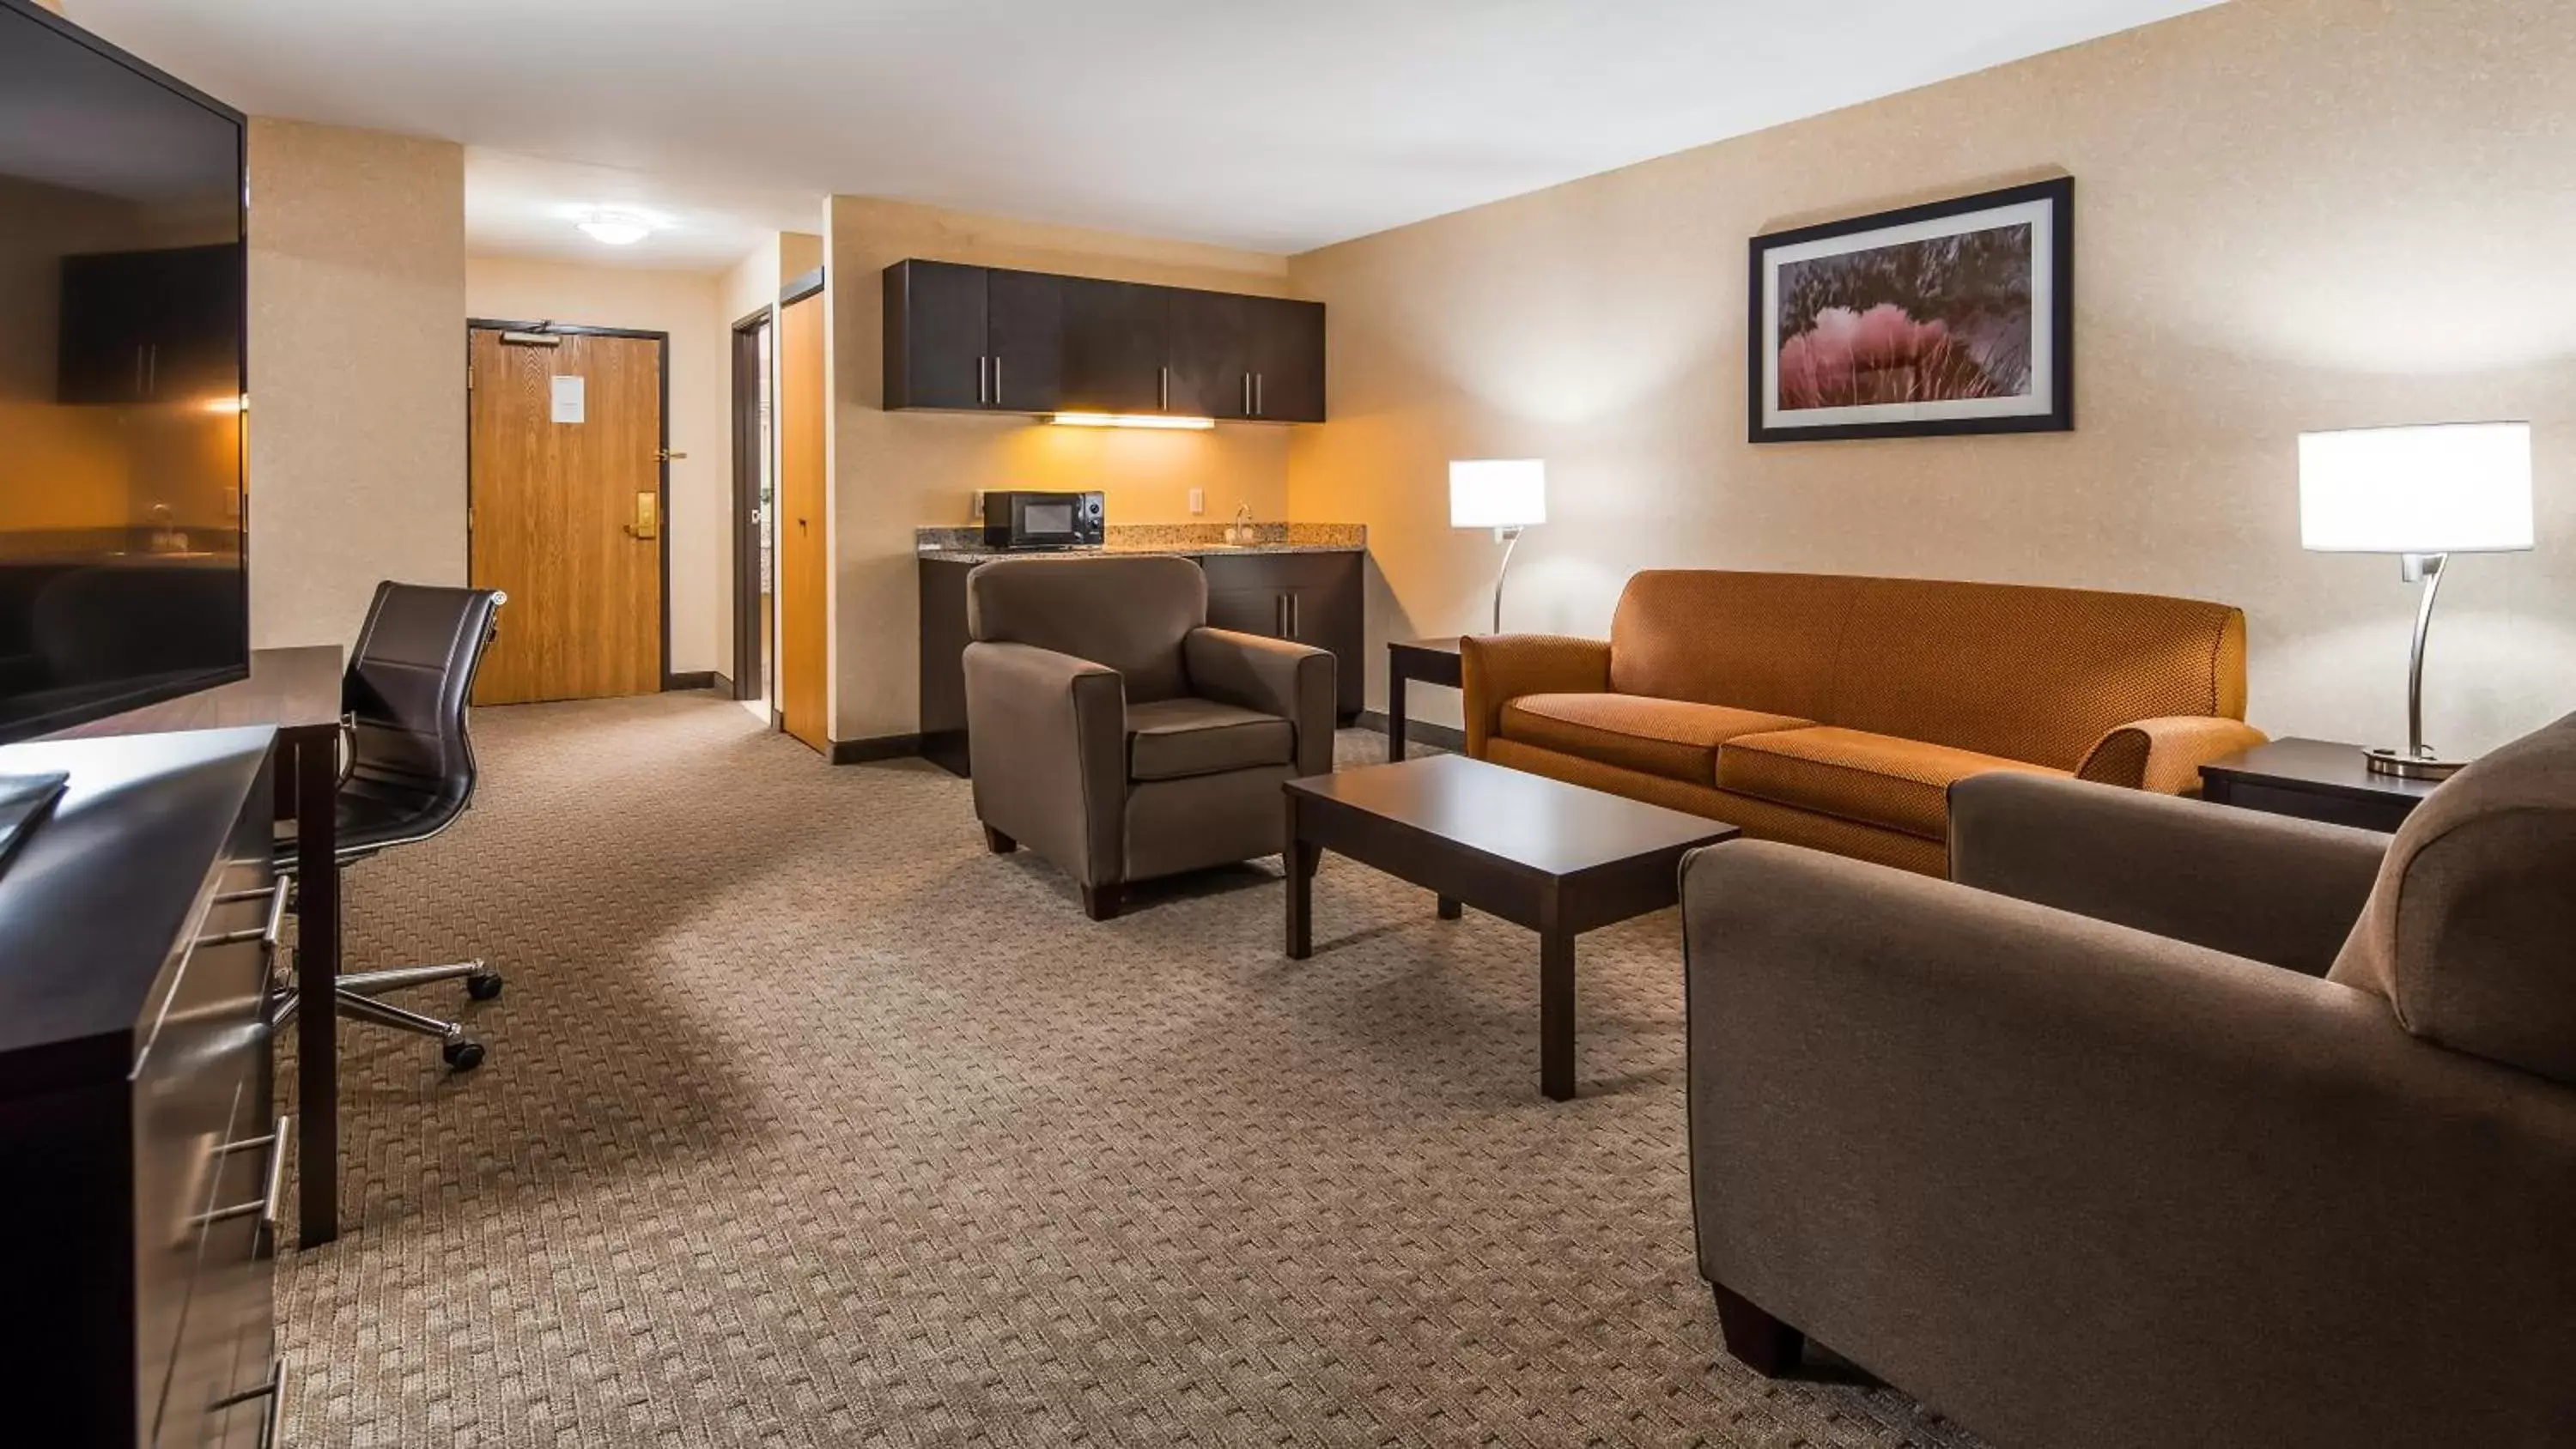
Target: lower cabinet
[1312,598]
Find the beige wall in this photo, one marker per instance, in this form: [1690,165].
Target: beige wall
[2290,214]
[894,471]
[690,307]
[357,417]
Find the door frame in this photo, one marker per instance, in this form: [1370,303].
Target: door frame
[748,683]
[662,447]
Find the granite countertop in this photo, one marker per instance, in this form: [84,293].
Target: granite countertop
[1193,540]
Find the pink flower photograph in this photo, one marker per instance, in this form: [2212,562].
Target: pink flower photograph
[1951,318]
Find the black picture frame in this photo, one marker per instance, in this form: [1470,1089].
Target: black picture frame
[2053,410]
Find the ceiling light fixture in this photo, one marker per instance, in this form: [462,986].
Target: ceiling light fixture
[1131,420]
[616,228]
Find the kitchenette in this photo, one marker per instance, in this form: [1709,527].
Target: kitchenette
[1095,352]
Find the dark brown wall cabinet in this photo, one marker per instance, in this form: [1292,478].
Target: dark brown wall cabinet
[994,340]
[1313,598]
[142,327]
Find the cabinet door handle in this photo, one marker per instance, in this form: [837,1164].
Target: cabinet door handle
[997,379]
[152,369]
[1296,617]
[1260,403]
[1247,394]
[980,395]
[1164,382]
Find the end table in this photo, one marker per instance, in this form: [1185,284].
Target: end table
[2314,780]
[1432,661]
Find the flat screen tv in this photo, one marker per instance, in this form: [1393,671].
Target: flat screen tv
[123,279]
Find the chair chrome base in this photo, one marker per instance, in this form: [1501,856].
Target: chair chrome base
[2407,766]
[357,992]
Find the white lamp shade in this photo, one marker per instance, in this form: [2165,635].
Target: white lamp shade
[2439,488]
[1497,493]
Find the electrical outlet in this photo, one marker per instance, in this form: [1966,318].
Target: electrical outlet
[1198,500]
[975,507]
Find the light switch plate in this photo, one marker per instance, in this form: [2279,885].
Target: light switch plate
[1198,500]
[975,507]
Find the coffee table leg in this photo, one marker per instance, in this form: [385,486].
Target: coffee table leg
[1450,909]
[1555,1005]
[1301,859]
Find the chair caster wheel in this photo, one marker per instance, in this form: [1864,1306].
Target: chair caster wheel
[463,1054]
[483,987]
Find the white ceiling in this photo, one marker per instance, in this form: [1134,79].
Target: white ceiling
[1279,126]
[525,206]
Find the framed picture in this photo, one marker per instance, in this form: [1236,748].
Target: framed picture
[1951,317]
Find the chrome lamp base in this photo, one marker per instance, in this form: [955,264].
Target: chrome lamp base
[2399,763]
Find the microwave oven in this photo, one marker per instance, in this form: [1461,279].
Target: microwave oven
[1017,519]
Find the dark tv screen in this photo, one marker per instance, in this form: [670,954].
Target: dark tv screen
[123,576]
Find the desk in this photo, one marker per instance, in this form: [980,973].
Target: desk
[298,692]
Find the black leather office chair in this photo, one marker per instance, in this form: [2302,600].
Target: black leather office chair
[408,772]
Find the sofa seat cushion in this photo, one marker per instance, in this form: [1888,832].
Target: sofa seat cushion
[1875,779]
[1669,737]
[1174,739]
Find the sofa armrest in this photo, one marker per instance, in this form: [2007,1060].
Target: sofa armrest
[1047,741]
[2165,755]
[1275,676]
[2049,1173]
[2282,891]
[1496,669]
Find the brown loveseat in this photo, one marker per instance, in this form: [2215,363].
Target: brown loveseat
[1836,712]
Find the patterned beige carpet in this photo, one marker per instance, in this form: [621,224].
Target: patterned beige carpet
[807,1122]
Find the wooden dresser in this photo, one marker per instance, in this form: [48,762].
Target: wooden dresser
[144,1152]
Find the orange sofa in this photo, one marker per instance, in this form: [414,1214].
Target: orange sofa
[1835,712]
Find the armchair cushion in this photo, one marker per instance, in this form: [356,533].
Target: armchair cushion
[1669,737]
[2470,933]
[1173,739]
[1876,779]
[1270,676]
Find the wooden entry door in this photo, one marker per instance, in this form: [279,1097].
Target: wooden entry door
[566,512]
[804,555]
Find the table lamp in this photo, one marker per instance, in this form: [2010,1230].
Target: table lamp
[2422,493]
[1503,494]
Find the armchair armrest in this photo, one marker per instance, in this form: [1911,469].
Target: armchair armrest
[1047,741]
[1496,669]
[2165,755]
[1275,676]
[2282,891]
[2039,1169]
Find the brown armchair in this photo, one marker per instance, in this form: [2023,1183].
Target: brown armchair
[2170,1123]
[1114,733]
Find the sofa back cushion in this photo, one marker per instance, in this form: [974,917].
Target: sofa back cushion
[1745,640]
[1127,614]
[2032,674]
[2470,932]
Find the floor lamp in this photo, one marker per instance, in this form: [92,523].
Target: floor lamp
[2422,493]
[1503,494]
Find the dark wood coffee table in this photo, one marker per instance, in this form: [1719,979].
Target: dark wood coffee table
[1556,858]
